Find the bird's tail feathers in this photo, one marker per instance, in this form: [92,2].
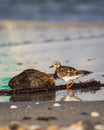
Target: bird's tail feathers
[85,72]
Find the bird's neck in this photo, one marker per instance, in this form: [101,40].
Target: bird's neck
[57,67]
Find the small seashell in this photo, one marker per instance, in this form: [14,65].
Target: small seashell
[34,127]
[56,105]
[13,107]
[94,114]
[28,106]
[37,103]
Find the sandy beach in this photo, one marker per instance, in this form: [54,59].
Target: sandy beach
[45,114]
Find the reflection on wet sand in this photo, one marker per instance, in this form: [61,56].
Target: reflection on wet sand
[71,96]
[62,95]
[46,96]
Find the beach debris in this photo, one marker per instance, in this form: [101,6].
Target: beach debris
[56,105]
[49,108]
[26,118]
[32,78]
[13,107]
[47,118]
[19,63]
[91,59]
[84,113]
[94,114]
[85,86]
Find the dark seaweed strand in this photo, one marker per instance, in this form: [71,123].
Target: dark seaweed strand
[81,85]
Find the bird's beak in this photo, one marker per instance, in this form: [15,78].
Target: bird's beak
[51,66]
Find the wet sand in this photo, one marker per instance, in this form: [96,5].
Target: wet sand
[25,45]
[44,114]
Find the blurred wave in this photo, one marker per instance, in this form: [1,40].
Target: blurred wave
[53,10]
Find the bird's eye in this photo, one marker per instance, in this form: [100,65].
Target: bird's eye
[62,70]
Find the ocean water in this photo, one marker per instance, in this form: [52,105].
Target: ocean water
[53,10]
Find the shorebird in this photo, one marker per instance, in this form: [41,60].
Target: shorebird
[68,73]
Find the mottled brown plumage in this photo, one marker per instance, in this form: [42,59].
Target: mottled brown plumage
[68,73]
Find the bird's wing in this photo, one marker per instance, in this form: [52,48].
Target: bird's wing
[66,70]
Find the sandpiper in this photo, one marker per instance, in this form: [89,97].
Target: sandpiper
[68,73]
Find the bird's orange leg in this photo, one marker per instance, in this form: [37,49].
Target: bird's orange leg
[68,86]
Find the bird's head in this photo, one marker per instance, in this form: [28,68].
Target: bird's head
[55,64]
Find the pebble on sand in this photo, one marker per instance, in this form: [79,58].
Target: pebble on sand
[94,114]
[56,105]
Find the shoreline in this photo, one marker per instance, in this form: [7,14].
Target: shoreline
[31,24]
